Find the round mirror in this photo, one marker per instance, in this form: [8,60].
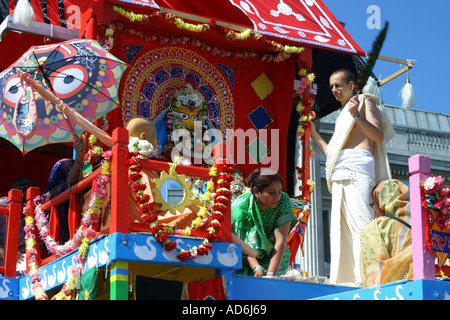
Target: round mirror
[172,192]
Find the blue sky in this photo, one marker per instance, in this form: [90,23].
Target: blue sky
[418,30]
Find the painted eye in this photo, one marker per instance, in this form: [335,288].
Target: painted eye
[194,118]
[69,80]
[13,90]
[184,116]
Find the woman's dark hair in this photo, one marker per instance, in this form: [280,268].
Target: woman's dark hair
[264,179]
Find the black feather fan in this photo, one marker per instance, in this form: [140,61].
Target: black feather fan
[372,58]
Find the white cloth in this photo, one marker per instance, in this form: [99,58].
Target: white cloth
[358,160]
[352,183]
[344,124]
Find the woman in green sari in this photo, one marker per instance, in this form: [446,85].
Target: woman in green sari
[263,218]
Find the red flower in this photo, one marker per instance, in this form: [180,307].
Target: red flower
[137,187]
[161,236]
[184,256]
[144,199]
[149,218]
[201,251]
[169,245]
[135,176]
[211,237]
[218,217]
[146,208]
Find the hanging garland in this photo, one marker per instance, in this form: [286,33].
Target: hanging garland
[162,233]
[81,239]
[306,114]
[202,27]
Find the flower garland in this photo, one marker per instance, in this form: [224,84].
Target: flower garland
[214,50]
[81,239]
[438,196]
[202,27]
[307,100]
[39,224]
[162,233]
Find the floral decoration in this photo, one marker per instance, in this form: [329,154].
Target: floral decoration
[202,27]
[218,207]
[81,239]
[307,100]
[438,196]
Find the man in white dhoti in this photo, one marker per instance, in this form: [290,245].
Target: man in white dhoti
[356,161]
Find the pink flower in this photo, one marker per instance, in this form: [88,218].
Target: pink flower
[89,233]
[445,192]
[107,154]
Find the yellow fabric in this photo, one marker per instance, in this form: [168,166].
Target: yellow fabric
[386,249]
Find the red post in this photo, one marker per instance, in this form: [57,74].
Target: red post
[222,154]
[12,232]
[423,259]
[119,182]
[306,159]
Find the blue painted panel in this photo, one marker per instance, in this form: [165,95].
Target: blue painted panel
[399,290]
[253,288]
[140,247]
[9,288]
[144,248]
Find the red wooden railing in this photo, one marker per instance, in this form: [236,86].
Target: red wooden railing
[12,211]
[119,218]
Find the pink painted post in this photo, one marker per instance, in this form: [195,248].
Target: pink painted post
[423,259]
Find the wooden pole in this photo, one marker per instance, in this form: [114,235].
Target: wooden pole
[65,109]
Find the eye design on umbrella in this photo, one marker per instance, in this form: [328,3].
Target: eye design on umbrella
[81,73]
[69,81]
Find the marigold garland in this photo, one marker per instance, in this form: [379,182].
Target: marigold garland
[306,115]
[162,233]
[202,27]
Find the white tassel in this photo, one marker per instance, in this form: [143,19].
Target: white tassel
[23,13]
[371,87]
[408,95]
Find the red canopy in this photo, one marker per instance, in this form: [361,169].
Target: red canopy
[302,22]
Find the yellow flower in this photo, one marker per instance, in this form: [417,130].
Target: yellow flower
[300,129]
[311,77]
[210,186]
[300,107]
[213,171]
[207,196]
[196,222]
[202,212]
[311,185]
[29,220]
[302,72]
[187,231]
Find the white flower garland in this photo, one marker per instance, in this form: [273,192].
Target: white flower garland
[142,147]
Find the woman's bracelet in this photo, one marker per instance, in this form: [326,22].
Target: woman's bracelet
[270,273]
[258,267]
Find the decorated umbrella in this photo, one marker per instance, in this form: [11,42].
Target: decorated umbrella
[79,74]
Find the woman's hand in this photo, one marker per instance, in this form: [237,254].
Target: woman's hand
[259,273]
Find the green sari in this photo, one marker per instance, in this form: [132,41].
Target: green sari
[256,228]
